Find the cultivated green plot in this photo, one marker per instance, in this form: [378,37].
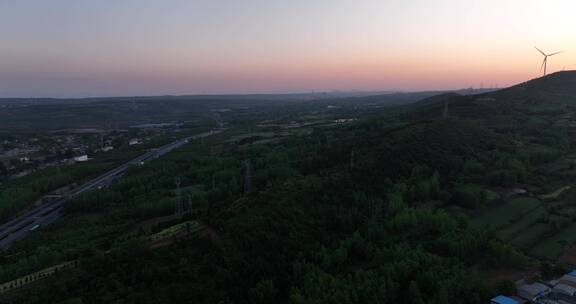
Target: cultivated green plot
[531,235]
[506,213]
[553,246]
[568,211]
[563,221]
[513,230]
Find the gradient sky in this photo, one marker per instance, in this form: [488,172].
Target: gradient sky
[66,48]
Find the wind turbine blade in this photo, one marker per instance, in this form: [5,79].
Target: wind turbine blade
[556,53]
[540,51]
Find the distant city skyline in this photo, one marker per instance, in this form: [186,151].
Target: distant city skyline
[87,48]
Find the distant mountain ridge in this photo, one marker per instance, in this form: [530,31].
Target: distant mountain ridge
[557,83]
[555,90]
[242,97]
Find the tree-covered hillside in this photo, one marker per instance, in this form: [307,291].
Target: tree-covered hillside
[292,205]
[343,214]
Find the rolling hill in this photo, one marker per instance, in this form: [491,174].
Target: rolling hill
[548,95]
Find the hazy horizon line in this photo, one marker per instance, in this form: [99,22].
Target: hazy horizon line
[258,93]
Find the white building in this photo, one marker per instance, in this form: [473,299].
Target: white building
[134,141]
[81,158]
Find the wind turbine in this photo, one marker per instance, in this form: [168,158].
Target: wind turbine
[545,61]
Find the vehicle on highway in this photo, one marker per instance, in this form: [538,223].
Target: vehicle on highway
[18,228]
[35,227]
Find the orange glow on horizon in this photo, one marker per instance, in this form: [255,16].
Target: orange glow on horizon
[220,46]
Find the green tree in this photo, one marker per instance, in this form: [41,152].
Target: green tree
[414,294]
[264,292]
[3,169]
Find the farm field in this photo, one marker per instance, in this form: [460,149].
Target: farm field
[526,222]
[531,235]
[506,213]
[538,228]
[553,246]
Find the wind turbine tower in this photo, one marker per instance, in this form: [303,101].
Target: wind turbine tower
[545,61]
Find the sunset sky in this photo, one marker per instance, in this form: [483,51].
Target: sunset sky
[66,48]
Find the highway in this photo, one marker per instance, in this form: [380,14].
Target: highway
[25,224]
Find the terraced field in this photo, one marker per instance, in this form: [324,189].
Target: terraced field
[531,235]
[528,224]
[507,213]
[553,246]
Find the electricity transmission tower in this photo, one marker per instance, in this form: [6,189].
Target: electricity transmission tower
[248,177]
[178,210]
[352,156]
[188,207]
